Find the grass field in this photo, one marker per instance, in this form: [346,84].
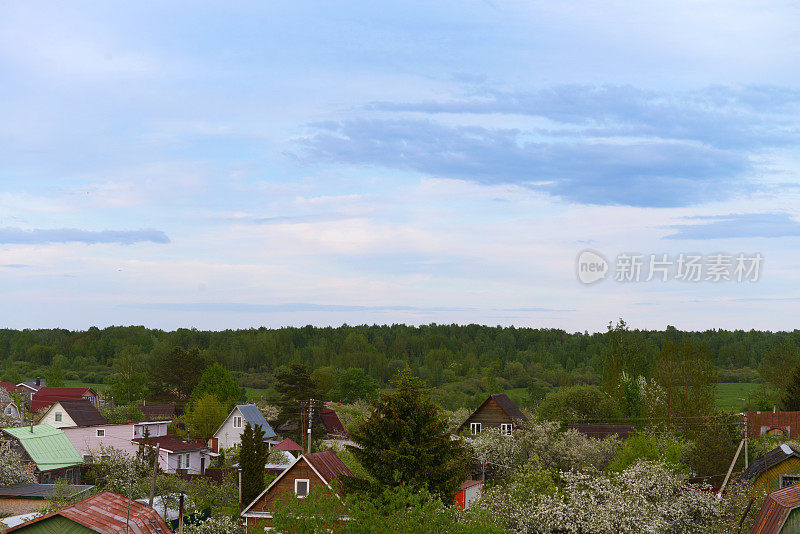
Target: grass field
[730,394]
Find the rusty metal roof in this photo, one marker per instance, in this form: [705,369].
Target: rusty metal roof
[172,443]
[109,513]
[328,465]
[333,426]
[776,509]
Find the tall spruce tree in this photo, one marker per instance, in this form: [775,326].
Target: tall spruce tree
[405,442]
[252,458]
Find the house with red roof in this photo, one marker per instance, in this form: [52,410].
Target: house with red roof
[178,455]
[780,513]
[319,471]
[104,513]
[47,396]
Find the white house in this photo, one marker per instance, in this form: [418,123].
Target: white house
[229,434]
[10,409]
[70,413]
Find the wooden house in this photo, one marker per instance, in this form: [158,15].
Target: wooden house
[319,471]
[24,498]
[48,451]
[104,513]
[46,396]
[497,411]
[780,513]
[776,469]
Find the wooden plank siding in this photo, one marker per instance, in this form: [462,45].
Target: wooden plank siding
[56,525]
[283,488]
[770,480]
[490,415]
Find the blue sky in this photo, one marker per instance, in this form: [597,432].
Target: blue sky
[220,165]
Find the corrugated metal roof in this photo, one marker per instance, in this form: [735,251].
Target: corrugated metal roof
[776,509]
[172,443]
[253,415]
[48,447]
[47,396]
[38,491]
[110,513]
[328,465]
[288,445]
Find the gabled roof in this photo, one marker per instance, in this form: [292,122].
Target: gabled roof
[333,426]
[46,396]
[506,404]
[48,447]
[155,412]
[82,412]
[32,385]
[9,386]
[288,445]
[325,464]
[253,415]
[109,513]
[766,461]
[776,508]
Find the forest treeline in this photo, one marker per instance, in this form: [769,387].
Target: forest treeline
[460,360]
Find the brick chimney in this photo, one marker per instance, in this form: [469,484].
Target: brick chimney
[38,381]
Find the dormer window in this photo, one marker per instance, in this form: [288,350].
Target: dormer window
[237,421]
[301,487]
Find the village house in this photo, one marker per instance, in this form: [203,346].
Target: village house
[104,513]
[467,493]
[178,455]
[774,470]
[780,512]
[25,498]
[48,450]
[46,396]
[10,409]
[319,471]
[229,434]
[497,411]
[71,413]
[29,389]
[286,447]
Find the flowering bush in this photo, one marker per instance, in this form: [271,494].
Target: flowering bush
[646,497]
[555,449]
[12,469]
[216,525]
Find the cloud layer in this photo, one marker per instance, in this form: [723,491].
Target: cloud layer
[38,236]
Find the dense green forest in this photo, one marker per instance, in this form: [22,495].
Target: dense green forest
[461,361]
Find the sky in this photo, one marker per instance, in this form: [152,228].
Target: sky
[246,164]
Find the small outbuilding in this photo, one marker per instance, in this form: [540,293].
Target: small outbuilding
[774,470]
[25,498]
[780,512]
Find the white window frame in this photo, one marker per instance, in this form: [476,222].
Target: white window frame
[179,461]
[308,487]
[475,428]
[237,421]
[188,455]
[507,429]
[59,417]
[100,433]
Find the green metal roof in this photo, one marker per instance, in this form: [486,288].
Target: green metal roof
[48,447]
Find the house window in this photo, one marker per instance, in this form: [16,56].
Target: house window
[187,460]
[59,417]
[237,422]
[179,461]
[789,479]
[506,429]
[475,428]
[301,487]
[101,433]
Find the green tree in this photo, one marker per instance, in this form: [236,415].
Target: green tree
[324,379]
[252,458]
[777,361]
[219,382]
[579,403]
[791,394]
[353,384]
[55,373]
[405,441]
[205,416]
[294,385]
[178,371]
[129,382]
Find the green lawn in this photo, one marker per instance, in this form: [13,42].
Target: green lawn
[730,394]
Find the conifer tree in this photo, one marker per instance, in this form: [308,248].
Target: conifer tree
[791,396]
[252,458]
[405,442]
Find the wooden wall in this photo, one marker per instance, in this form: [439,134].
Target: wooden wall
[771,479]
[490,415]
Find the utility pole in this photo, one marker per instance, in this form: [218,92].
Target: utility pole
[180,515]
[746,435]
[310,417]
